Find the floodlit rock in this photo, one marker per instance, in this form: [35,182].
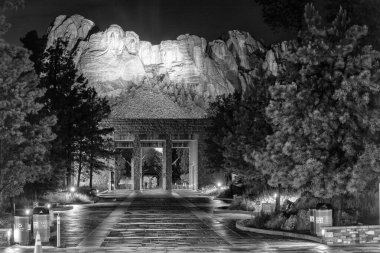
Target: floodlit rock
[71,29]
[114,58]
[110,56]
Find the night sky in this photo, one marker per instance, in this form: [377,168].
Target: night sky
[152,20]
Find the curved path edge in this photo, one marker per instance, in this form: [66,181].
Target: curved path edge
[239,225]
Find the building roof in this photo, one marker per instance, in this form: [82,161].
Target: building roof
[145,104]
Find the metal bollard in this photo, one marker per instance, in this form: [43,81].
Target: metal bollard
[58,231]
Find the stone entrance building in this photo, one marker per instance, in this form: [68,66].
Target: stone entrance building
[161,133]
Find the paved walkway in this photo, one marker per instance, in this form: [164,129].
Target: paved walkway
[157,221]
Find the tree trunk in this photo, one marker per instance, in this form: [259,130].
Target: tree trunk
[68,168]
[340,207]
[68,176]
[90,176]
[278,198]
[79,168]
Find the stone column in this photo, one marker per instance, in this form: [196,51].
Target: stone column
[167,164]
[193,165]
[136,164]
[191,170]
[111,164]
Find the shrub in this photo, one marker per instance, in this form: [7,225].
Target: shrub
[303,220]
[276,221]
[290,223]
[348,219]
[306,201]
[259,221]
[225,194]
[6,220]
[66,197]
[244,204]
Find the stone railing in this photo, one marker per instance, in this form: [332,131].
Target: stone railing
[351,235]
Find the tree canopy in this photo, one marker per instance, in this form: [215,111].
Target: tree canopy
[288,14]
[239,124]
[79,112]
[24,137]
[323,109]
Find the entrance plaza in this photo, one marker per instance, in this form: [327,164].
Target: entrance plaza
[166,221]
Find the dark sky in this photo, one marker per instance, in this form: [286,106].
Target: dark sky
[152,20]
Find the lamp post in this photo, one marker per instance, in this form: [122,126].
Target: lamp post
[72,190]
[219,184]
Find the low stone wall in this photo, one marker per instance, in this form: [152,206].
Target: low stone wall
[240,225]
[351,235]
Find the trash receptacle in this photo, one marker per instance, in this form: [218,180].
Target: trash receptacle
[323,217]
[41,217]
[22,227]
[312,221]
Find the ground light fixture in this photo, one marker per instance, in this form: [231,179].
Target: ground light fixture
[48,206]
[219,184]
[72,189]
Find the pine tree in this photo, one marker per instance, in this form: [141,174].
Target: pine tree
[24,137]
[65,97]
[240,127]
[221,113]
[323,109]
[98,145]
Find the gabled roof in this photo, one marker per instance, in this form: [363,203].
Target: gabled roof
[145,104]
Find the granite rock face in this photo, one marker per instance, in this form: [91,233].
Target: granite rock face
[113,59]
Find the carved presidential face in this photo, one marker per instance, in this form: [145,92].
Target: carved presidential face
[114,36]
[132,42]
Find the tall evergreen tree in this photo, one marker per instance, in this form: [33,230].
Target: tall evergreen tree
[98,145]
[65,97]
[323,109]
[24,137]
[221,113]
[239,127]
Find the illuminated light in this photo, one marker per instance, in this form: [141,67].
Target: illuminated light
[27,211]
[48,206]
[72,189]
[9,232]
[219,184]
[275,195]
[323,232]
[97,191]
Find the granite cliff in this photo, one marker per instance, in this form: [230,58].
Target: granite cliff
[189,67]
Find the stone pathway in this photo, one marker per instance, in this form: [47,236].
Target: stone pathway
[157,221]
[161,220]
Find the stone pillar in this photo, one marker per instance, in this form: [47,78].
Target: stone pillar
[111,164]
[136,164]
[193,165]
[191,171]
[167,164]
